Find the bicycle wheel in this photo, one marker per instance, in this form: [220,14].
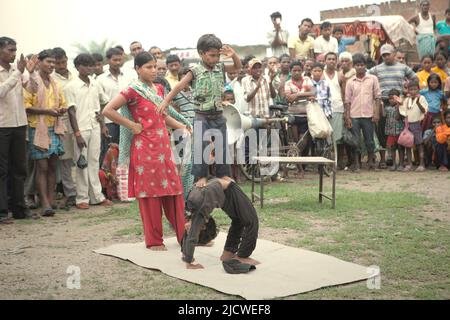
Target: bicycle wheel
[325,149]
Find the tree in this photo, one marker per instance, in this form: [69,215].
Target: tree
[94,47]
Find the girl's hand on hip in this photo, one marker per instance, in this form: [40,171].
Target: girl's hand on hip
[137,128]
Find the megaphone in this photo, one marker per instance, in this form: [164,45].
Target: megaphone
[238,123]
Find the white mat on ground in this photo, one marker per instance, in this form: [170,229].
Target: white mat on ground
[284,271]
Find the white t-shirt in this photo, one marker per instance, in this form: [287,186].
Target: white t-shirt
[323,46]
[113,86]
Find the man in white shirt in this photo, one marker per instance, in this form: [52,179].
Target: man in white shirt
[278,38]
[85,98]
[128,67]
[325,43]
[112,81]
[156,52]
[63,76]
[13,129]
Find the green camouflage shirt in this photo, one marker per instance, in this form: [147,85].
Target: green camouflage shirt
[207,87]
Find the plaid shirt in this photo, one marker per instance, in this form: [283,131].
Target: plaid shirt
[207,87]
[323,97]
[259,105]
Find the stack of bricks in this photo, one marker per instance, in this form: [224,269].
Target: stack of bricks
[406,9]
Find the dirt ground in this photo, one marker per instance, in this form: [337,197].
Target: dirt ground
[35,255]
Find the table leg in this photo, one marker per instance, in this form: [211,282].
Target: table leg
[261,186]
[334,187]
[253,184]
[320,183]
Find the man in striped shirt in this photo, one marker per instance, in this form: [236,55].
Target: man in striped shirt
[258,90]
[391,75]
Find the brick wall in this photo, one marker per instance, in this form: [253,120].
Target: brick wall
[407,9]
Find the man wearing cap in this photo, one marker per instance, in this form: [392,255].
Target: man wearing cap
[278,37]
[391,75]
[258,89]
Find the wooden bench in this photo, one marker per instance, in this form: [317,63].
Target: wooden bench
[320,161]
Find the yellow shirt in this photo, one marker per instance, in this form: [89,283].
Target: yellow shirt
[423,78]
[31,100]
[442,74]
[173,80]
[302,48]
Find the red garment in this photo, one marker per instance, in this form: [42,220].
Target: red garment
[151,215]
[153,172]
[107,173]
[392,140]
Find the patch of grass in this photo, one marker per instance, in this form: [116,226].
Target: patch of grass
[385,229]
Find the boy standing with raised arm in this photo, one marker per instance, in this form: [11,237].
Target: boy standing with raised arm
[208,81]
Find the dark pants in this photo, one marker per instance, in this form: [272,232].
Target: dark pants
[243,232]
[380,128]
[13,159]
[114,132]
[366,125]
[214,126]
[441,154]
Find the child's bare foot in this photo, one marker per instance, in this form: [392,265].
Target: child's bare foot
[227,255]
[250,261]
[201,183]
[192,266]
[209,244]
[158,248]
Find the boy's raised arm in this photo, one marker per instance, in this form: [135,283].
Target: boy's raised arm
[229,52]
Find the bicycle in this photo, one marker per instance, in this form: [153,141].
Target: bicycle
[289,148]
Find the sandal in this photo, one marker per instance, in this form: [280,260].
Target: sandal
[400,168]
[420,169]
[382,165]
[407,169]
[393,168]
[47,212]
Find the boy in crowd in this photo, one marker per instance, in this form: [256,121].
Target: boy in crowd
[362,108]
[343,42]
[325,42]
[335,81]
[443,142]
[278,37]
[301,46]
[173,64]
[44,109]
[85,98]
[98,69]
[112,81]
[63,76]
[258,89]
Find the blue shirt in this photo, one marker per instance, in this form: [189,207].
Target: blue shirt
[344,42]
[323,96]
[443,28]
[434,99]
